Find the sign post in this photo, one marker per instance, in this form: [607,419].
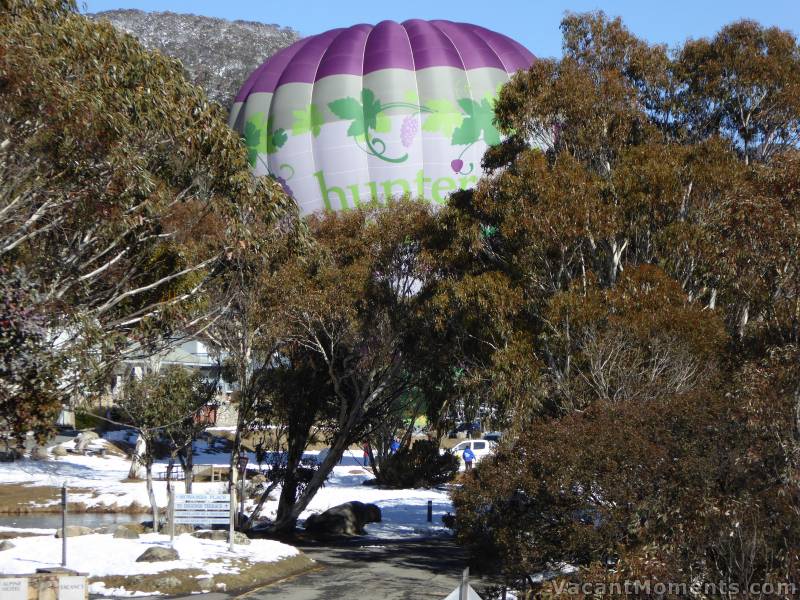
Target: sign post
[171,512]
[242,464]
[232,515]
[64,524]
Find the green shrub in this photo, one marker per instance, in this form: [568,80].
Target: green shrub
[421,465]
[87,420]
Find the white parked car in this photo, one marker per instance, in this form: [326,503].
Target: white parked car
[480,448]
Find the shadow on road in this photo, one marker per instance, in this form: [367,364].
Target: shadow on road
[385,570]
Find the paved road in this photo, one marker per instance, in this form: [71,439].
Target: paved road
[417,570]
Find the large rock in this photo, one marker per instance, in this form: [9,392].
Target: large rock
[59,450]
[180,528]
[158,554]
[83,439]
[39,453]
[130,526]
[74,531]
[205,583]
[125,533]
[222,535]
[346,519]
[6,545]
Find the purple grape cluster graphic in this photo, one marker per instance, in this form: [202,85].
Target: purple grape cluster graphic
[284,182]
[408,130]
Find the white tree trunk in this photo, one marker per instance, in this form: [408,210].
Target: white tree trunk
[137,463]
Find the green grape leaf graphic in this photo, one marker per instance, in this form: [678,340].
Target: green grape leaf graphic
[372,108]
[479,122]
[260,138]
[444,117]
[349,109]
[252,139]
[364,115]
[275,139]
[310,119]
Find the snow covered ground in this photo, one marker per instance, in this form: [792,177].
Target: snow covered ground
[101,554]
[101,482]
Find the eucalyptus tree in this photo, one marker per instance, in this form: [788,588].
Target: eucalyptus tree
[122,190]
[357,331]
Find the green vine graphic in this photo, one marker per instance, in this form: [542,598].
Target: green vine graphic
[478,124]
[260,138]
[368,116]
[465,124]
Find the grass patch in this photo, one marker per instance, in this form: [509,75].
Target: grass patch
[250,575]
[21,499]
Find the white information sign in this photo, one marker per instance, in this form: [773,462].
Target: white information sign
[202,520]
[202,509]
[14,588]
[72,588]
[202,497]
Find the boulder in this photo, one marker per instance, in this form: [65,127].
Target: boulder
[222,535]
[125,533]
[39,453]
[6,545]
[205,583]
[346,519]
[74,531]
[131,526]
[181,528]
[59,450]
[105,529]
[158,554]
[83,439]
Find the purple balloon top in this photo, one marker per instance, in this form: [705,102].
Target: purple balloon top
[412,45]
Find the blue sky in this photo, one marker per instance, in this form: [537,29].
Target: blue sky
[532,22]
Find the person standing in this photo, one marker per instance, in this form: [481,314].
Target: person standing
[366,454]
[469,458]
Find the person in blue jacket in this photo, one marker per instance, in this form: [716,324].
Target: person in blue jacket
[394,446]
[469,458]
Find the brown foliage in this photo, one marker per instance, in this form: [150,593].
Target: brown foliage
[644,216]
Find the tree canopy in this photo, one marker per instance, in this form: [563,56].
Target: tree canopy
[121,186]
[643,216]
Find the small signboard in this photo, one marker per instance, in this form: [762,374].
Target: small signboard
[72,588]
[202,497]
[14,588]
[202,509]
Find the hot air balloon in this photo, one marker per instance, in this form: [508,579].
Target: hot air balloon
[356,116]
